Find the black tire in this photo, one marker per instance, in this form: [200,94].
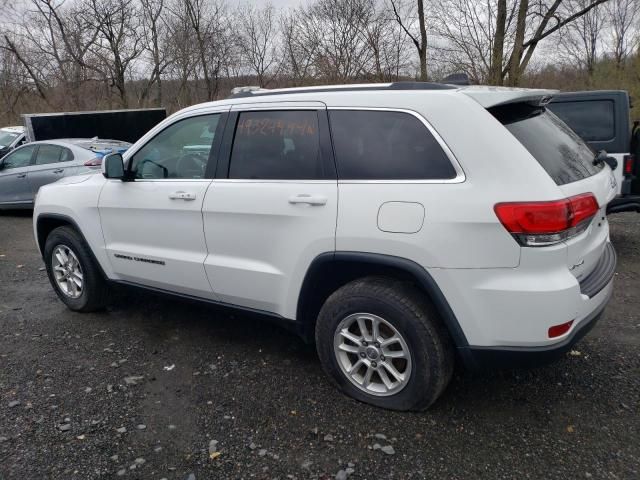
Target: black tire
[95,290]
[412,315]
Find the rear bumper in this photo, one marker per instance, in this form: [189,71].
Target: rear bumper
[485,358]
[601,275]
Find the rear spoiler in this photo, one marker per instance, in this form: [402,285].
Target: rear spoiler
[494,96]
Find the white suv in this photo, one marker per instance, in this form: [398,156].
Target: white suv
[399,225]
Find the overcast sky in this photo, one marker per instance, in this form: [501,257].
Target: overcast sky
[286,3]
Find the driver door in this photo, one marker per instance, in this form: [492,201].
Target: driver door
[152,224]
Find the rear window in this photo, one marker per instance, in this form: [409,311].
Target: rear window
[386,145]
[557,148]
[593,120]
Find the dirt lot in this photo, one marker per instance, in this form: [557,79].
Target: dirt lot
[141,390]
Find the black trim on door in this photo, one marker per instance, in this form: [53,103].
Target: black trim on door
[326,145]
[214,153]
[224,157]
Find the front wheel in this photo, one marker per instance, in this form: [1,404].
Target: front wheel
[382,343]
[72,271]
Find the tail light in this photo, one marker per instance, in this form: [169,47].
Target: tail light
[94,162]
[629,164]
[538,224]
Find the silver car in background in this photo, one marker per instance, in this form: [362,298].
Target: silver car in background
[27,168]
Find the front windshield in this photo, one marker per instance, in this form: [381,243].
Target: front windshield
[7,138]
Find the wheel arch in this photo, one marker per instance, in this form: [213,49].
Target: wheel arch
[329,271]
[48,222]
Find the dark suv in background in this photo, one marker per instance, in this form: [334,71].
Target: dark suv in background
[601,118]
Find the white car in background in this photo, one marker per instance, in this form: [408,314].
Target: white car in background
[399,226]
[10,138]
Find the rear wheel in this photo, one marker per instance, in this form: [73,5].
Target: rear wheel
[73,273]
[382,343]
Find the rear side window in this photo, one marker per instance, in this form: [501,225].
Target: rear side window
[557,148]
[66,155]
[277,145]
[385,145]
[48,154]
[594,120]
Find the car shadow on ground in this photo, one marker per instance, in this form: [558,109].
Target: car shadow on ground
[206,328]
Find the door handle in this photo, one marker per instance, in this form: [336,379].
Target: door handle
[305,198]
[58,170]
[21,175]
[182,196]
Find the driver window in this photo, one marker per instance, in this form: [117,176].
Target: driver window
[179,151]
[19,158]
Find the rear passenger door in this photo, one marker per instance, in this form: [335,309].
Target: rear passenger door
[52,162]
[272,207]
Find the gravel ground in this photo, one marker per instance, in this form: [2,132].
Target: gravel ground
[157,388]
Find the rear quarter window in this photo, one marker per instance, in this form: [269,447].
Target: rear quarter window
[557,148]
[386,145]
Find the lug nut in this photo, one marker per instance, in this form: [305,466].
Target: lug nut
[382,358]
[374,364]
[377,345]
[362,354]
[364,343]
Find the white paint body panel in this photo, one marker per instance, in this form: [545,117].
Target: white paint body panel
[141,225]
[260,245]
[401,217]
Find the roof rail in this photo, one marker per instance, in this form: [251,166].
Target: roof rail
[247,89]
[241,92]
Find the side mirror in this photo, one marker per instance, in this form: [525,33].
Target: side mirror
[113,166]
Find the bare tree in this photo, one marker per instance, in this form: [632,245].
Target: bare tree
[473,37]
[155,44]
[259,41]
[497,38]
[332,29]
[13,85]
[419,39]
[580,39]
[299,53]
[388,43]
[118,43]
[34,76]
[623,17]
[209,25]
